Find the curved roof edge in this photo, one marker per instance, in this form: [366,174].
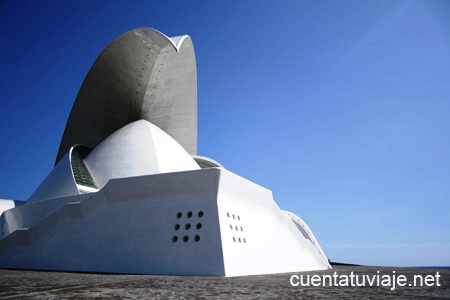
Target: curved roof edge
[207,162]
[142,74]
[306,232]
[176,41]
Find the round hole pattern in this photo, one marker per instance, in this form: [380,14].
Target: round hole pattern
[235,226]
[188,226]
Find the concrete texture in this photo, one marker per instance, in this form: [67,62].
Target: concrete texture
[126,227]
[198,222]
[137,149]
[58,183]
[142,74]
[58,285]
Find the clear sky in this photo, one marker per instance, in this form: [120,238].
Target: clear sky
[341,108]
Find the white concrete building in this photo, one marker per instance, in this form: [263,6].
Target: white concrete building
[129,194]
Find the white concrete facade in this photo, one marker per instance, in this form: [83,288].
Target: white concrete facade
[151,219]
[139,148]
[139,200]
[185,223]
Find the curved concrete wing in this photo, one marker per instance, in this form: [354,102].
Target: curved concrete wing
[69,177]
[142,74]
[206,162]
[6,204]
[58,183]
[306,232]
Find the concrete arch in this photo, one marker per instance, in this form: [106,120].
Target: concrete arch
[143,74]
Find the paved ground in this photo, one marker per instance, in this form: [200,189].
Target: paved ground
[60,285]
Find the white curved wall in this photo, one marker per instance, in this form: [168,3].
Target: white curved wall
[203,222]
[6,204]
[59,183]
[306,232]
[257,238]
[140,148]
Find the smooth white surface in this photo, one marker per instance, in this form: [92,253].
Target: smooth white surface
[5,205]
[273,244]
[304,228]
[59,183]
[129,226]
[140,148]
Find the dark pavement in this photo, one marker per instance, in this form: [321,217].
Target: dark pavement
[18,284]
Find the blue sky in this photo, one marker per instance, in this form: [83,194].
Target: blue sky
[341,108]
